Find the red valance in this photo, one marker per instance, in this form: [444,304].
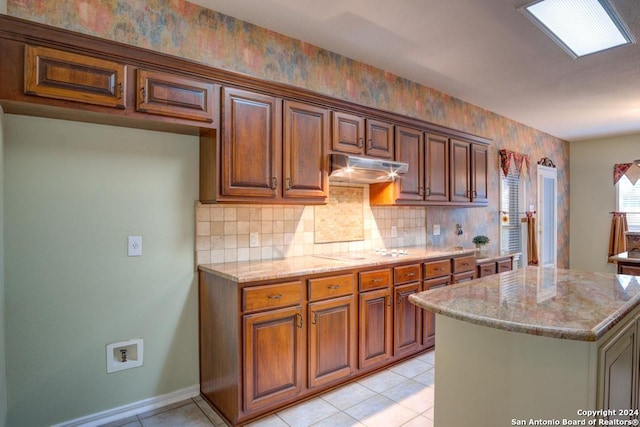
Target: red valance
[631,170]
[518,159]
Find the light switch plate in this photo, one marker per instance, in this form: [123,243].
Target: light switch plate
[134,246]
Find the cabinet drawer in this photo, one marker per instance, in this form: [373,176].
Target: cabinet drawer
[57,74]
[467,263]
[174,96]
[505,265]
[437,268]
[486,269]
[437,282]
[271,296]
[334,286]
[463,277]
[375,279]
[407,273]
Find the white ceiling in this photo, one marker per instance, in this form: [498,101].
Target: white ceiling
[484,52]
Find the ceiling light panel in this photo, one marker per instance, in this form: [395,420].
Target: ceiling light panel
[581,27]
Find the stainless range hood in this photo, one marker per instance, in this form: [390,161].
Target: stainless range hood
[361,170]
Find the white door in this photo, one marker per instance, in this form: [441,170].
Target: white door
[547,216]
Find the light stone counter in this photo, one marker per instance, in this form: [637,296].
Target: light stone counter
[250,271]
[540,301]
[535,344]
[624,257]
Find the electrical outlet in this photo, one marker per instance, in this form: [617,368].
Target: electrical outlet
[254,239]
[134,246]
[394,231]
[436,229]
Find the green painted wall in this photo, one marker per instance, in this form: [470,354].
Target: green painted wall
[73,194]
[593,196]
[3,371]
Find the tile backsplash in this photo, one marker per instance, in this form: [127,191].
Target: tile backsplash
[223,231]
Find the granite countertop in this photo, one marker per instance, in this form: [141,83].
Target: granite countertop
[624,257]
[549,302]
[249,271]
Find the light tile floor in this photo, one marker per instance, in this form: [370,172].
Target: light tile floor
[400,396]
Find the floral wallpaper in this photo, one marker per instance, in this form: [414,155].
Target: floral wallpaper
[180,28]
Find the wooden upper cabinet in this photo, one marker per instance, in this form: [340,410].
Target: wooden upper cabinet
[347,133]
[479,174]
[306,140]
[353,134]
[436,168]
[410,149]
[250,144]
[460,161]
[68,76]
[174,96]
[379,139]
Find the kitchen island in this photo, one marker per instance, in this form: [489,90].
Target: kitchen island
[536,346]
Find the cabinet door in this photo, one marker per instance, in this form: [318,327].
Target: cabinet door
[273,357]
[620,370]
[437,168]
[174,96]
[332,340]
[410,149]
[380,137]
[460,171]
[375,328]
[429,317]
[251,144]
[348,133]
[306,138]
[407,336]
[63,75]
[479,174]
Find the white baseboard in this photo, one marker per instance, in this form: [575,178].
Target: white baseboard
[132,409]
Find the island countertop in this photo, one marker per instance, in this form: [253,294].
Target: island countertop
[549,302]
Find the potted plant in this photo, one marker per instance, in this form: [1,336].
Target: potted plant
[480,241]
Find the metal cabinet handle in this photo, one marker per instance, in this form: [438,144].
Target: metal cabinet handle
[369,144]
[475,193]
[299,317]
[274,183]
[315,318]
[390,300]
[428,191]
[360,142]
[277,296]
[288,184]
[119,91]
[420,191]
[333,286]
[411,274]
[376,280]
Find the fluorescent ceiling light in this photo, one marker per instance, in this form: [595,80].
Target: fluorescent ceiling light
[581,27]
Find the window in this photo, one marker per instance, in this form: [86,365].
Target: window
[511,201]
[628,200]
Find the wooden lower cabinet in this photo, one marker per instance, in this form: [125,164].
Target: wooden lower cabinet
[632,269]
[407,336]
[267,344]
[332,340]
[273,357]
[429,317]
[376,328]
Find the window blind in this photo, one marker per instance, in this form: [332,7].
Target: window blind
[510,233]
[629,201]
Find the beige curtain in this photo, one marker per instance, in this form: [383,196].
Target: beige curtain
[617,239]
[532,240]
